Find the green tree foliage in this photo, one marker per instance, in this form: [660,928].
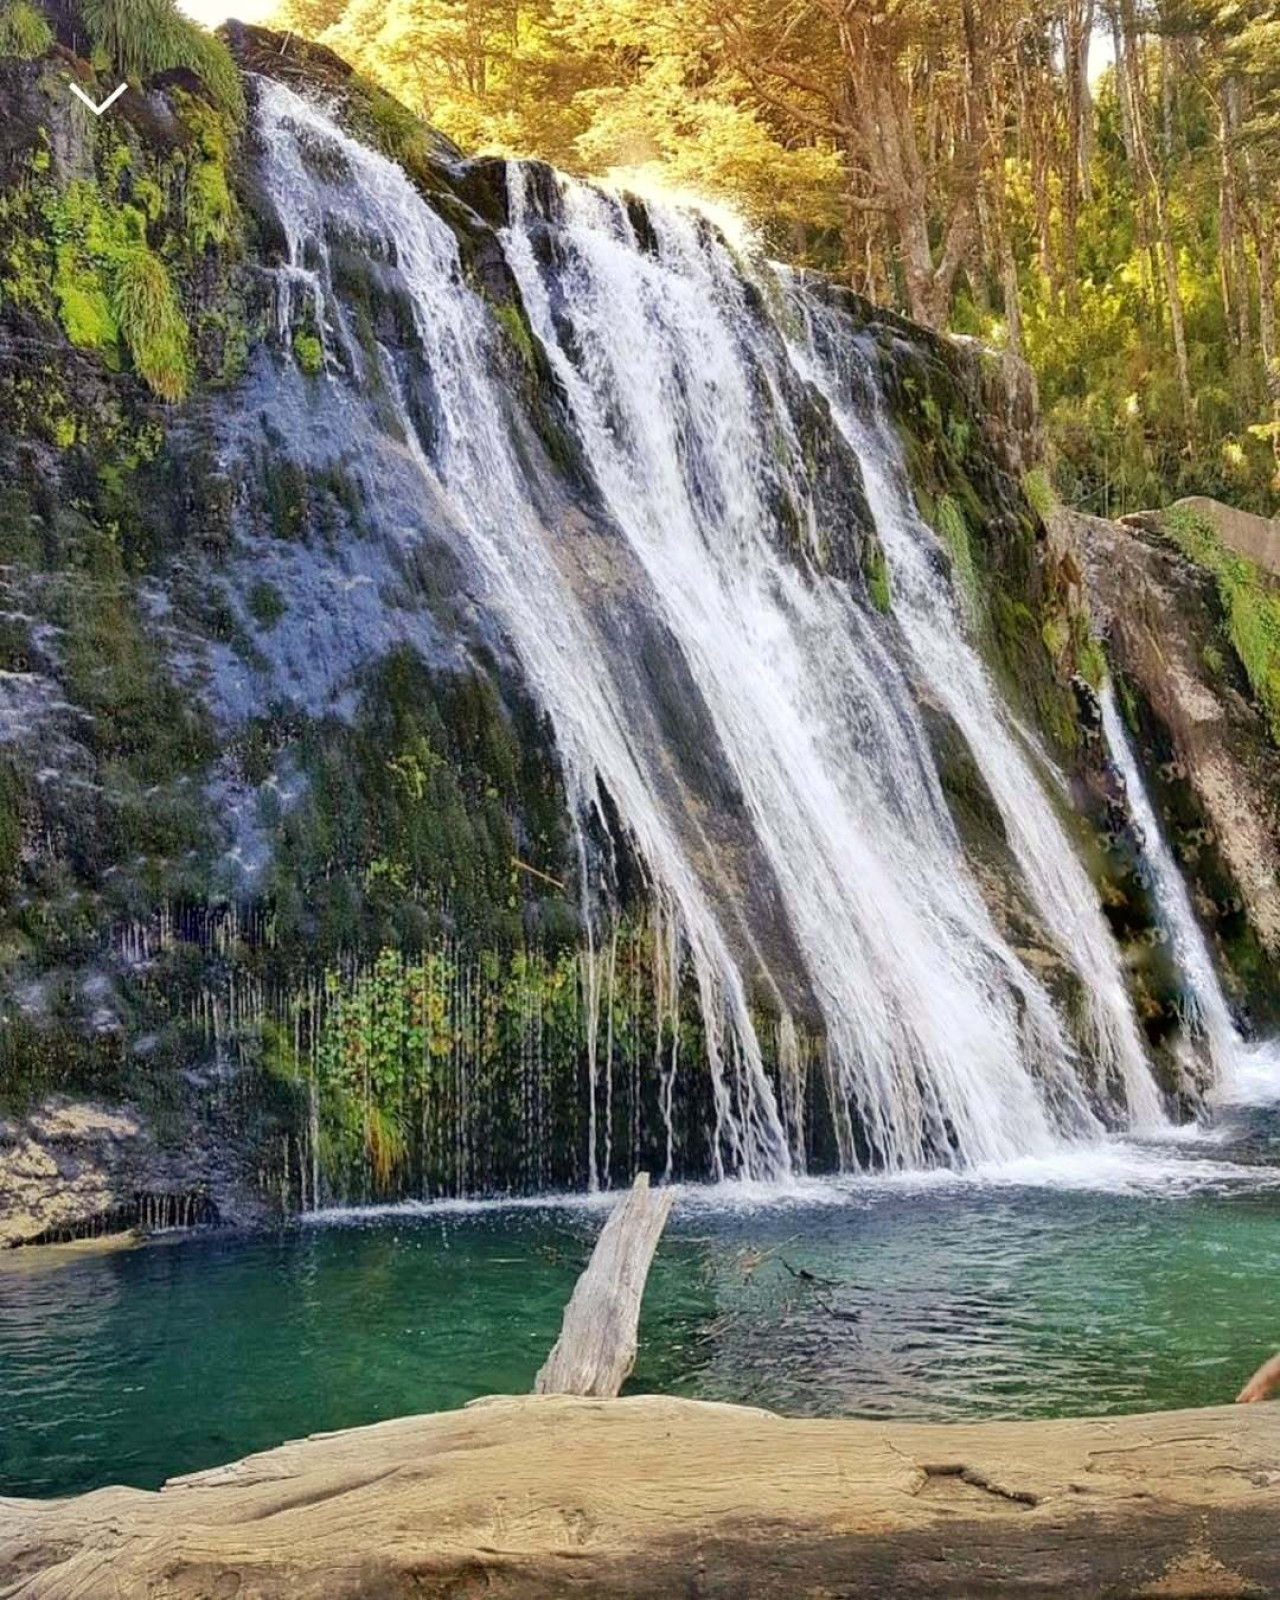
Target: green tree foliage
[1093,182]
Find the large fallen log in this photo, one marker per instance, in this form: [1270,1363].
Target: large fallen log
[556,1498]
[596,1349]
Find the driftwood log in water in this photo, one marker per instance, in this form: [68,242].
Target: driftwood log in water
[544,1497]
[596,1349]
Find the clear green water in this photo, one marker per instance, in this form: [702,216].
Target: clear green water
[1127,1279]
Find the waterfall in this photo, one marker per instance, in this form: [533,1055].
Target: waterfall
[472,474]
[829,869]
[926,606]
[1205,1011]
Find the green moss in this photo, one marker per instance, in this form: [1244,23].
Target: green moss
[136,719]
[309,353]
[23,31]
[1250,604]
[112,290]
[952,528]
[516,330]
[1056,633]
[26,265]
[285,487]
[1091,661]
[426,803]
[1039,491]
[400,134]
[1014,606]
[85,309]
[11,825]
[209,208]
[878,582]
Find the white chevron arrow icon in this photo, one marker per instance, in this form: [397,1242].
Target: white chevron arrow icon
[109,101]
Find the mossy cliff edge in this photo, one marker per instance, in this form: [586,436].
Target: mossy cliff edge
[285,848]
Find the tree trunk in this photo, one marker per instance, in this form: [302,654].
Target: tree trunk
[1077,27]
[1153,183]
[596,1349]
[1267,331]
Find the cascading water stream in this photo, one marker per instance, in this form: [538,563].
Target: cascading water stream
[925,605]
[1206,1013]
[919,993]
[476,480]
[942,1046]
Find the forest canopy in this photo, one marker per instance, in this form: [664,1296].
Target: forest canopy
[1090,182]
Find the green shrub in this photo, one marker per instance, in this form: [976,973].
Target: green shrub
[23,31]
[151,322]
[309,353]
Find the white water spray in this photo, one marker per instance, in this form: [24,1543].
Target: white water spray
[943,1048]
[1205,1011]
[927,607]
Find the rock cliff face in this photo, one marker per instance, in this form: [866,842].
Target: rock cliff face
[1207,751]
[75,1171]
[290,848]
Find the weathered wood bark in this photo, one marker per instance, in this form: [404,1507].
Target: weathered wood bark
[596,1349]
[647,1498]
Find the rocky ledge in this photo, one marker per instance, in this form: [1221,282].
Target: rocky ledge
[76,1170]
[647,1497]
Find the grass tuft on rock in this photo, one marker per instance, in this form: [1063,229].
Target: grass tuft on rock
[143,37]
[23,31]
[151,322]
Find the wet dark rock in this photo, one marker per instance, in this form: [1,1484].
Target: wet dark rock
[1203,742]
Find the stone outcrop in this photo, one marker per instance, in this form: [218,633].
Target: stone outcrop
[1256,538]
[73,1170]
[1212,768]
[647,1497]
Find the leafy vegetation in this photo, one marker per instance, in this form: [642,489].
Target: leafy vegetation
[309,353]
[151,322]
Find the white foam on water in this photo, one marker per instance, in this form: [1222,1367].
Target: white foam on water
[1255,1079]
[1163,1170]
